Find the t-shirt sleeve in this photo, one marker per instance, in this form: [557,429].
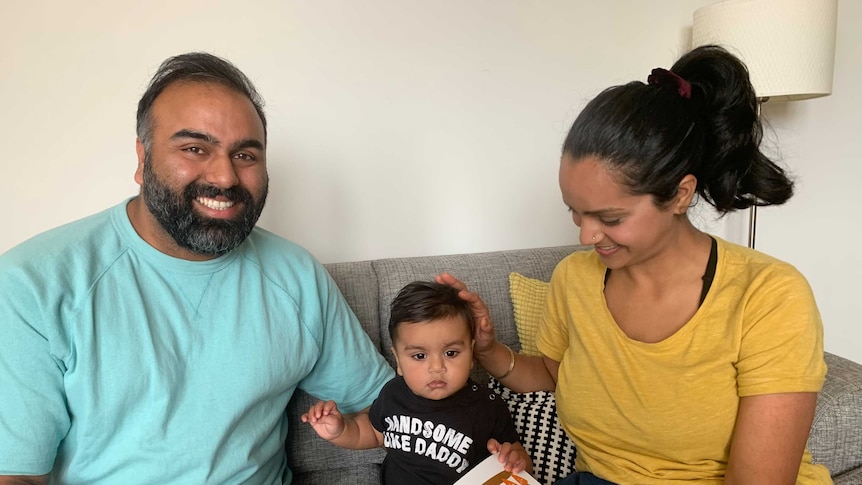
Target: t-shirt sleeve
[782,337]
[378,409]
[33,415]
[504,426]
[350,370]
[552,334]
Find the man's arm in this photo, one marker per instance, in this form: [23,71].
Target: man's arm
[23,480]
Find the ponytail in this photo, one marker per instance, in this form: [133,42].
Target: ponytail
[699,118]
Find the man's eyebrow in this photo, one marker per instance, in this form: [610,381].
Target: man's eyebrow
[196,135]
[247,143]
[238,145]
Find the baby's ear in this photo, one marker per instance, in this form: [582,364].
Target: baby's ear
[397,365]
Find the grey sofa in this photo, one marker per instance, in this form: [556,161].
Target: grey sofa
[369,286]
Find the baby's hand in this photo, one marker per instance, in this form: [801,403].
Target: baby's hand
[513,456]
[326,420]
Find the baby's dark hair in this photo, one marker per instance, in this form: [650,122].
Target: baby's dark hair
[423,301]
[650,137]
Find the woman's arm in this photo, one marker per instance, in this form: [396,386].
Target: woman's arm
[769,438]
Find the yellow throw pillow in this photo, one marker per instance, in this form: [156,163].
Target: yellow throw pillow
[528,304]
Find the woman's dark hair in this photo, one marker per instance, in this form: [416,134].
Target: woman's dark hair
[650,137]
[197,67]
[423,301]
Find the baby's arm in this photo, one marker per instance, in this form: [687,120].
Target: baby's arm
[353,431]
[513,456]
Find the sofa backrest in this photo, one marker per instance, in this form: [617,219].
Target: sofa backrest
[484,273]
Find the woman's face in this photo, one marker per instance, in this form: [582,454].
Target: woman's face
[625,229]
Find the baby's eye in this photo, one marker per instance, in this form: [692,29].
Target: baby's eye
[419,356]
[452,353]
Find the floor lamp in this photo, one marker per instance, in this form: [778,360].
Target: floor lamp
[788,46]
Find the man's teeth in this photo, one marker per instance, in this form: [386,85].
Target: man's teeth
[218,205]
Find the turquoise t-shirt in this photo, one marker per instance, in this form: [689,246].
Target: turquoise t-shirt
[120,364]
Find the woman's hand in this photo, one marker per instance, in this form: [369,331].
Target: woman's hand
[484,332]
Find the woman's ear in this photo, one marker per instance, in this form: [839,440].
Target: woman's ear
[684,194]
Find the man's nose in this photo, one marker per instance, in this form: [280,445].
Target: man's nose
[221,172]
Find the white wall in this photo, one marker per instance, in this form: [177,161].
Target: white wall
[401,128]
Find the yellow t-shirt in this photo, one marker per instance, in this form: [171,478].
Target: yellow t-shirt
[649,413]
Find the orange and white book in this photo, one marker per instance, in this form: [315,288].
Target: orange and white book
[491,472]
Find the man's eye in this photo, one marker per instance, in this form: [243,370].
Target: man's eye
[419,356]
[245,156]
[193,149]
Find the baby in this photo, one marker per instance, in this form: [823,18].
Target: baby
[434,421]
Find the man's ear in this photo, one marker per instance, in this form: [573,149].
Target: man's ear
[397,365]
[142,155]
[684,194]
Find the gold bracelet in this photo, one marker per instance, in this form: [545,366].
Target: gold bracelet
[511,362]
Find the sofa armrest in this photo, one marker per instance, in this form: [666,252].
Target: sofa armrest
[836,435]
[853,477]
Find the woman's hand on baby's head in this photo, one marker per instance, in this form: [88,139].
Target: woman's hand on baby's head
[325,418]
[484,332]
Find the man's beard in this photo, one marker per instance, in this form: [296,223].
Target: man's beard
[190,230]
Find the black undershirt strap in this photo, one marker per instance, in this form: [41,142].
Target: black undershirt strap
[708,275]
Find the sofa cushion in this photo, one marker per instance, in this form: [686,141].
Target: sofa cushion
[307,452]
[836,434]
[528,303]
[354,475]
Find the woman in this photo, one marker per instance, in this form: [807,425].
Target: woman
[674,355]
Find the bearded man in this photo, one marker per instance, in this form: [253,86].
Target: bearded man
[160,341]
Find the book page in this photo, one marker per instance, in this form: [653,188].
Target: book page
[491,472]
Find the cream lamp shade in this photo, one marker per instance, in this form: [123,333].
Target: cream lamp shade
[788,45]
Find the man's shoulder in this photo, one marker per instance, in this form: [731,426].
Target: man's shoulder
[282,260]
[70,240]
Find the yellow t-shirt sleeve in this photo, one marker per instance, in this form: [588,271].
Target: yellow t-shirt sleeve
[781,349]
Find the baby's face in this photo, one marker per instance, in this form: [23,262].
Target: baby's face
[435,357]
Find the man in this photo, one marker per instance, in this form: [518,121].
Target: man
[159,341]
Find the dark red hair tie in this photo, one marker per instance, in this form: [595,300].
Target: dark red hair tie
[671,81]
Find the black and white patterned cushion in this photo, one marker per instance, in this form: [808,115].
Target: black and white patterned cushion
[535,416]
